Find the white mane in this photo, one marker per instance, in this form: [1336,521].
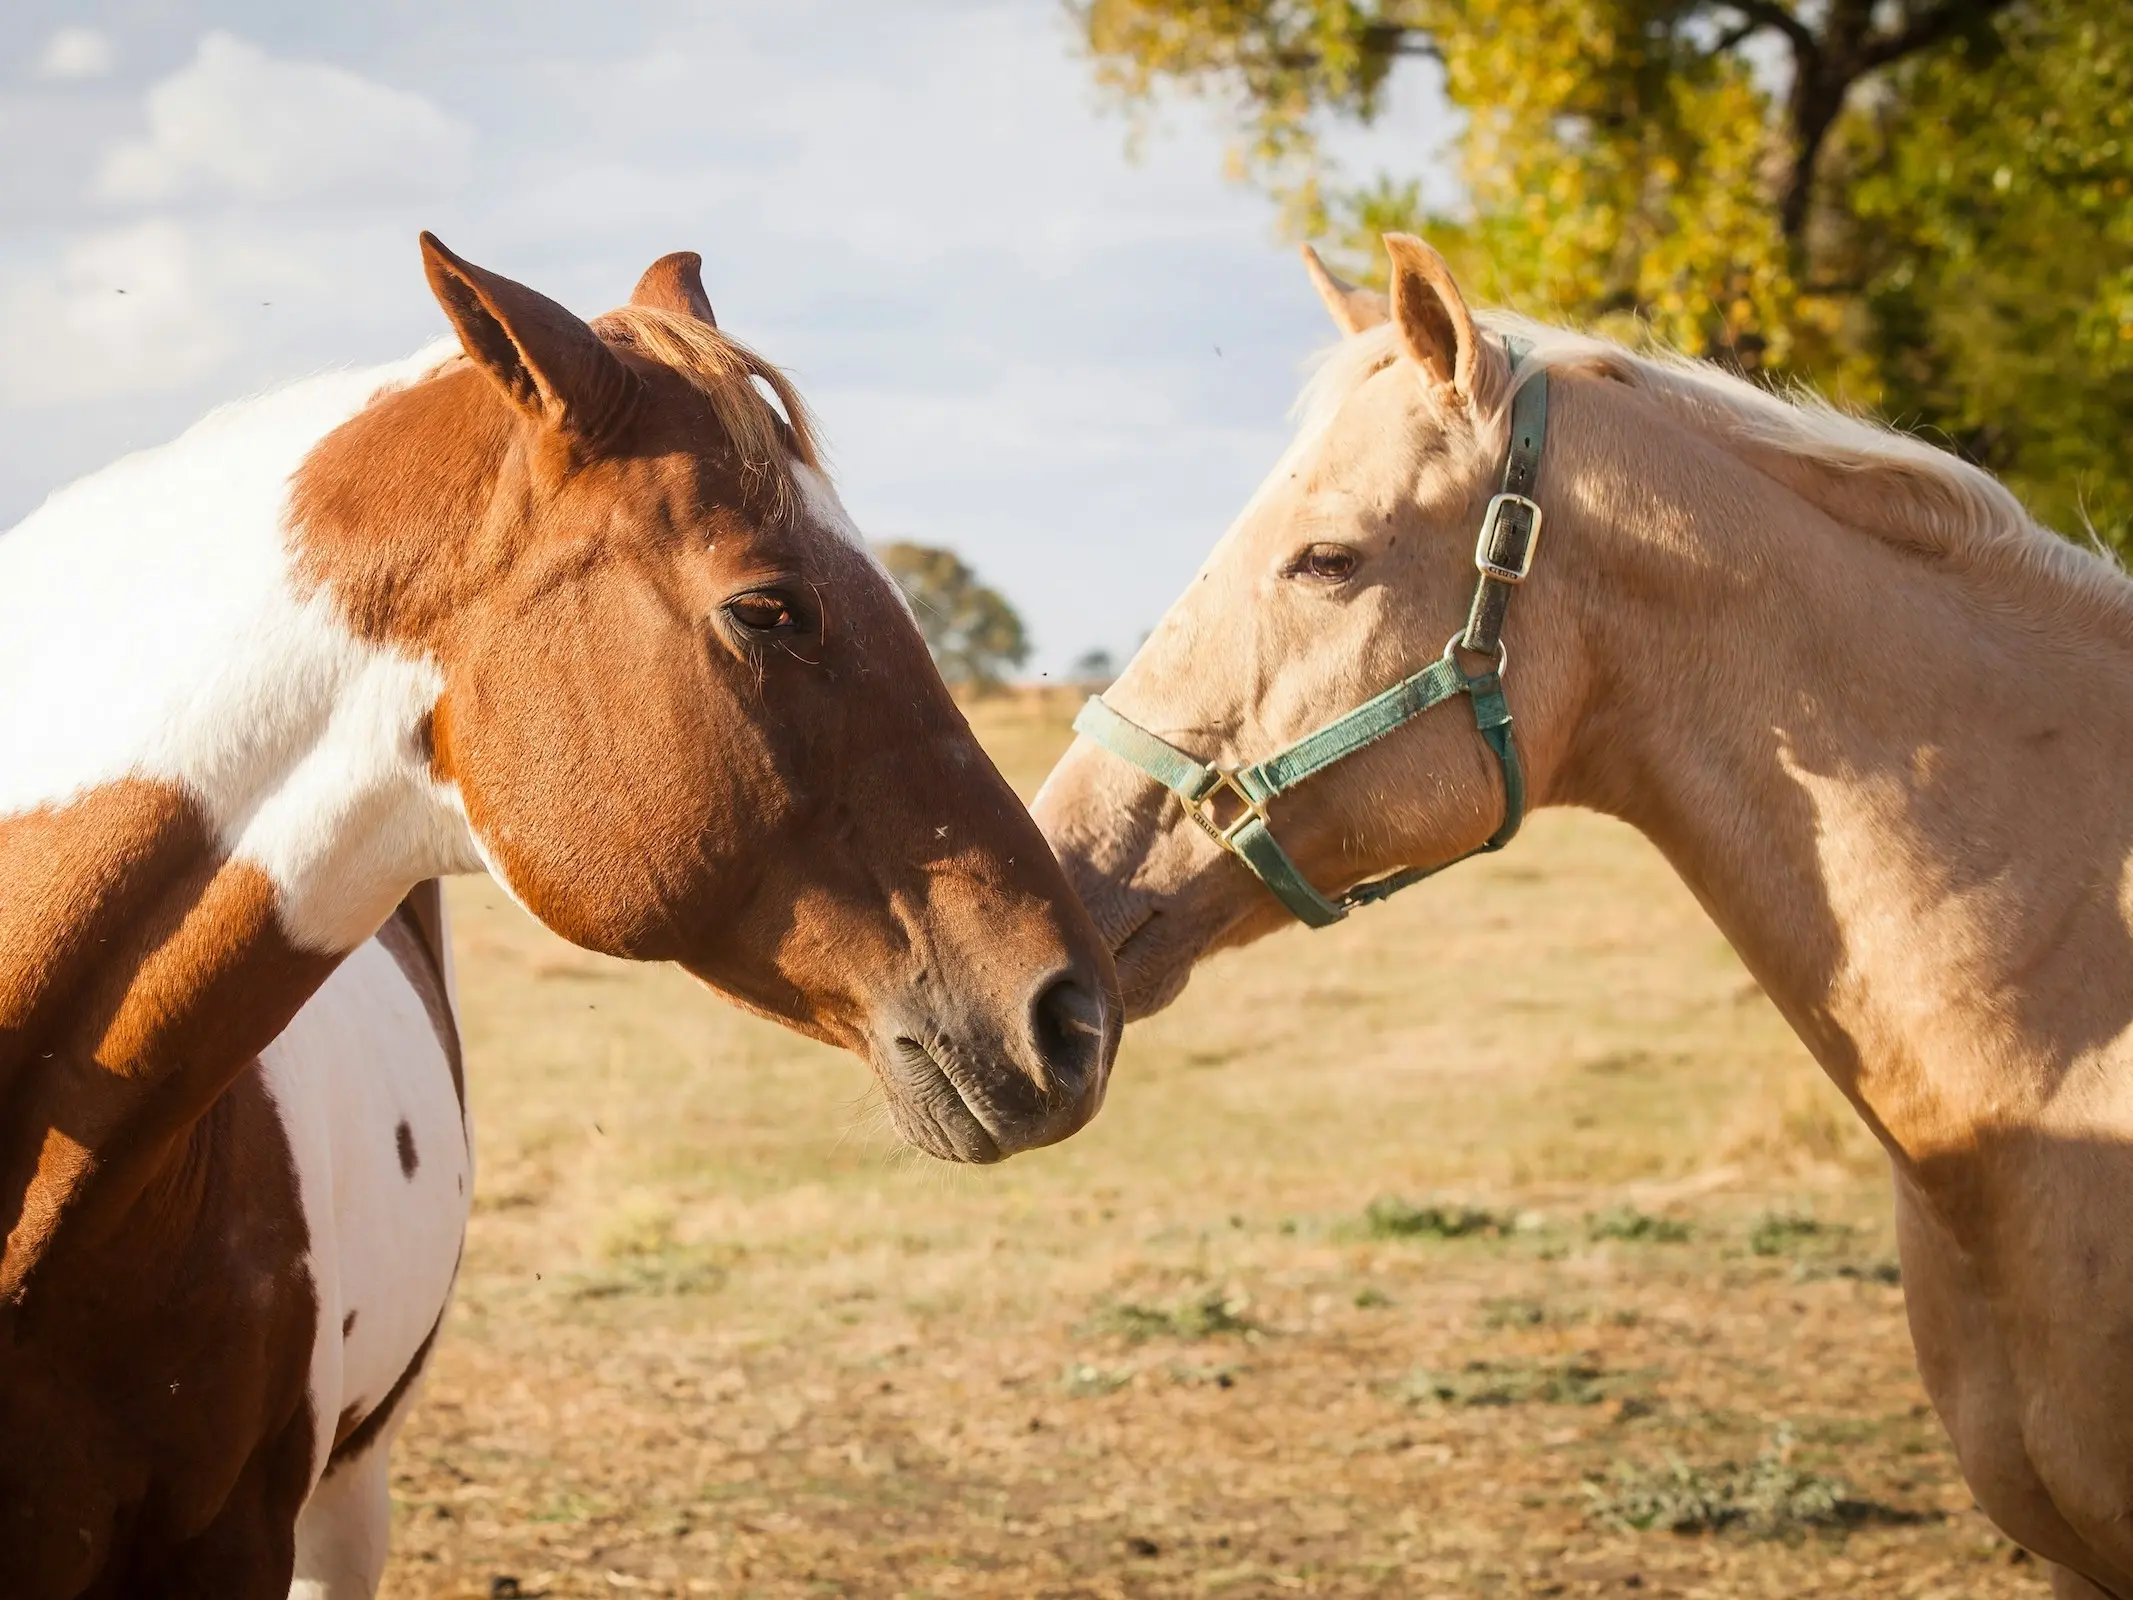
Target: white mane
[1862,473]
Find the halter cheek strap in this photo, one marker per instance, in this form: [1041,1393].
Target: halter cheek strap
[1230,804]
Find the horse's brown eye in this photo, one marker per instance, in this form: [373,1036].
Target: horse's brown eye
[1327,563]
[764,611]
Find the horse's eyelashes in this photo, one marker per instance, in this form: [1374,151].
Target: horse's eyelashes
[1323,563]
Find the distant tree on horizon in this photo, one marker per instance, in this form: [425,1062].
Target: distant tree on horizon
[1095,667]
[975,636]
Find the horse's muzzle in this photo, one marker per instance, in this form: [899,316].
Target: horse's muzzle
[974,1089]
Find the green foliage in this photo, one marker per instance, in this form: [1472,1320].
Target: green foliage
[1927,208]
[974,634]
[1994,250]
[1614,155]
[1284,59]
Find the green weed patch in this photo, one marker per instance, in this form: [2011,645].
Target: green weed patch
[1207,1316]
[1390,1217]
[1785,1233]
[1637,1227]
[1768,1498]
[1490,1383]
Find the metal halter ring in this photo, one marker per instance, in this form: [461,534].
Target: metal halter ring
[1453,647]
[1201,809]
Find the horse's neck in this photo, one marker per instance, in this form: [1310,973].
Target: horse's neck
[1899,788]
[209,790]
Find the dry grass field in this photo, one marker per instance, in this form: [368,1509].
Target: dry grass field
[1501,1241]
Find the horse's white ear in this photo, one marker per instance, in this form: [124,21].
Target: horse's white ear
[547,362]
[1436,329]
[1353,309]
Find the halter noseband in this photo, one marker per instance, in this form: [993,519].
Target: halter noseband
[1510,530]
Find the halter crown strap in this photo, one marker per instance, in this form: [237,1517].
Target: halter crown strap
[1230,805]
[1510,530]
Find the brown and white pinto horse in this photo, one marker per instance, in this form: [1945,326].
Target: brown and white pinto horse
[574,603]
[1878,719]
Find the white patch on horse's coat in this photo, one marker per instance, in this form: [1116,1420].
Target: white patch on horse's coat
[820,500]
[150,627]
[344,1528]
[359,1059]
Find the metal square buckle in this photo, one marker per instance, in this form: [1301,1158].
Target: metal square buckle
[1519,506]
[1203,813]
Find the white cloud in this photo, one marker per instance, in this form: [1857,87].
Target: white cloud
[1071,367]
[205,308]
[237,122]
[76,53]
[122,312]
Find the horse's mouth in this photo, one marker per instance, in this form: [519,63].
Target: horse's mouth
[931,1111]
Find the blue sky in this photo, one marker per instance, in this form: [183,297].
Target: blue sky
[1069,364]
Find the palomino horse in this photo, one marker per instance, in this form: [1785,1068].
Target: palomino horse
[575,604]
[1877,719]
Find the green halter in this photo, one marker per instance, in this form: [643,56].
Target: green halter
[1504,554]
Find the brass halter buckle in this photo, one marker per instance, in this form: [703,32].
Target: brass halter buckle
[1201,809]
[1491,523]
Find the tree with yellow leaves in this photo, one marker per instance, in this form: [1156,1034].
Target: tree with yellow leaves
[1924,206]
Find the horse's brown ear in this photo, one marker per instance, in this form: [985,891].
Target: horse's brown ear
[552,366]
[1353,308]
[675,283]
[1436,329]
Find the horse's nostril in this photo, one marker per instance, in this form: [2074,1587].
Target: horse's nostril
[1067,1020]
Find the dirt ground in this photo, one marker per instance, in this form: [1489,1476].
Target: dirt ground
[1471,1248]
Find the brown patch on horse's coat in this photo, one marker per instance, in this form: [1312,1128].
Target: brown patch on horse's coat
[404,1145]
[153,1286]
[351,1442]
[154,1407]
[140,971]
[348,1324]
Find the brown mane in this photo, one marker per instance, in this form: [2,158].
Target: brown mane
[724,371]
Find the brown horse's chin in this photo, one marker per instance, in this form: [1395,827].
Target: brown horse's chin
[930,1112]
[959,1099]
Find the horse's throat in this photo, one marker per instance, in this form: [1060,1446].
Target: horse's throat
[140,972]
